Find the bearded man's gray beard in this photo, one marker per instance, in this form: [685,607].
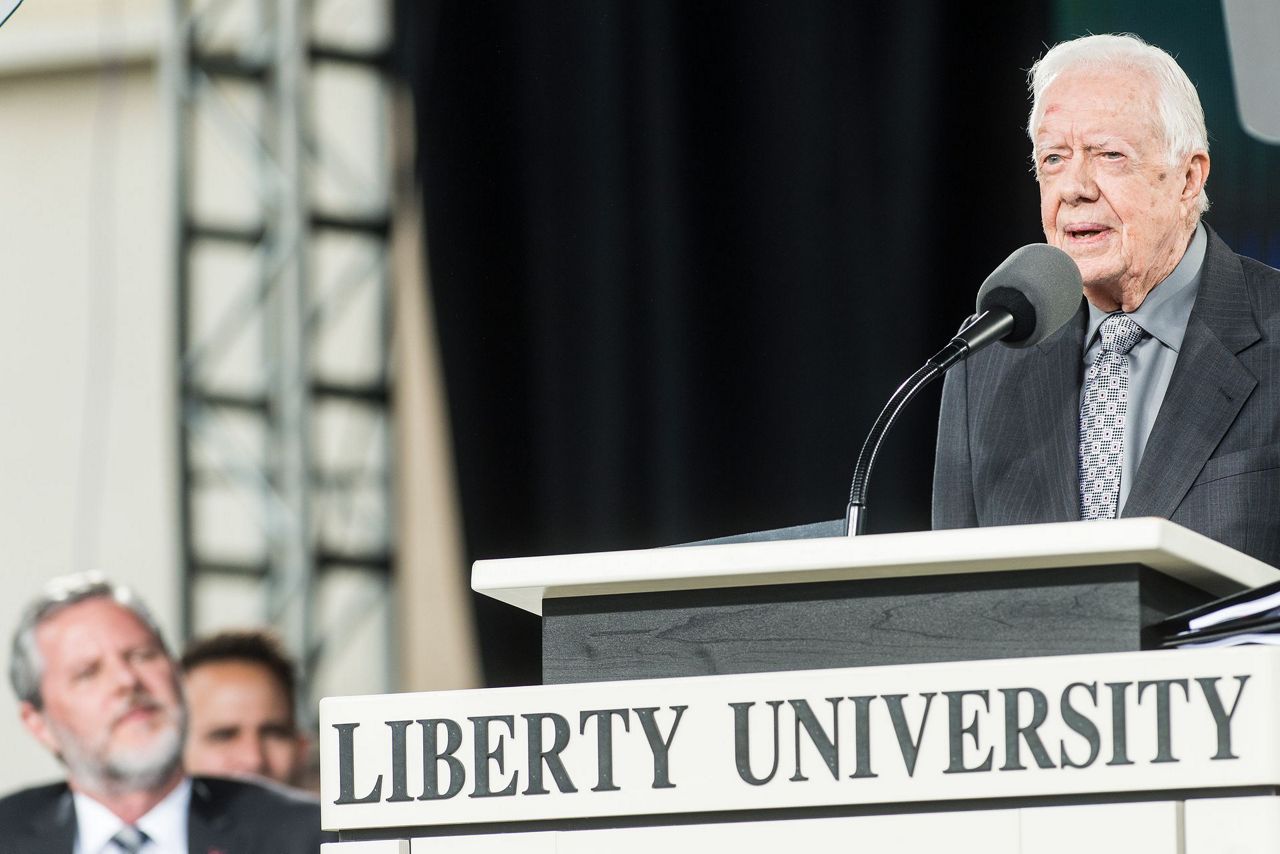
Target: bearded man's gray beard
[132,770]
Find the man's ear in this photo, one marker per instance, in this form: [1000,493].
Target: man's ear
[1195,176]
[305,770]
[302,746]
[34,720]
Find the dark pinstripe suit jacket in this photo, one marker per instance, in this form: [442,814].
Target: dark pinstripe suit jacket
[226,817]
[1008,429]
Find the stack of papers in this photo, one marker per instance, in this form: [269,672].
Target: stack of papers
[1250,616]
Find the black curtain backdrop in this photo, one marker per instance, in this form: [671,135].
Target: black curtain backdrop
[682,252]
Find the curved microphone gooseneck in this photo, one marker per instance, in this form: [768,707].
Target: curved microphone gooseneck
[1025,300]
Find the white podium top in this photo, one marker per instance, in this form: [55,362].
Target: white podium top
[1156,543]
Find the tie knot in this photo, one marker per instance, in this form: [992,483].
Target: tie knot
[1119,333]
[130,839]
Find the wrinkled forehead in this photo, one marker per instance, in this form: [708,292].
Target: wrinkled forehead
[89,628]
[1100,102]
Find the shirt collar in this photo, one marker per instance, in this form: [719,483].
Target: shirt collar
[165,823]
[1165,311]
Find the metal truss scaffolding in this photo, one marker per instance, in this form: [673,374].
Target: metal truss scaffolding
[281,168]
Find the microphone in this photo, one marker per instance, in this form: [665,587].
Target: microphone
[1026,299]
[1030,296]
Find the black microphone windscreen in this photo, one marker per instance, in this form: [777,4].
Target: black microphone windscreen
[1040,286]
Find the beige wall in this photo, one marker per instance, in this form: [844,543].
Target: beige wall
[86,443]
[87,369]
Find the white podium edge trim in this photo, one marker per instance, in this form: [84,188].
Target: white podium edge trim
[1153,542]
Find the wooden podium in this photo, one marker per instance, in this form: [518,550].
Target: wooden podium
[974,690]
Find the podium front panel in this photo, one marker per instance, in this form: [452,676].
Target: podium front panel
[983,734]
[1245,825]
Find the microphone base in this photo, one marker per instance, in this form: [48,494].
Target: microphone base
[853,520]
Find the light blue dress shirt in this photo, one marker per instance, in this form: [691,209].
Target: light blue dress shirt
[1163,316]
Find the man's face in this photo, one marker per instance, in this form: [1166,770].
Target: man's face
[241,723]
[111,706]
[1108,196]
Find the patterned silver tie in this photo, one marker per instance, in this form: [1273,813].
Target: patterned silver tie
[1102,415]
[130,839]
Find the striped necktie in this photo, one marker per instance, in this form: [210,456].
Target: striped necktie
[130,839]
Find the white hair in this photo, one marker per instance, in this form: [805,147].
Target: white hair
[1177,102]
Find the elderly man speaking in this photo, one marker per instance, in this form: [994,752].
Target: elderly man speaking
[1162,397]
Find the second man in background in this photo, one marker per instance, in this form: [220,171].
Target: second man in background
[240,692]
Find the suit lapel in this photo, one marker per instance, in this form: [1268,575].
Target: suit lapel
[209,829]
[45,824]
[1052,419]
[53,826]
[1208,387]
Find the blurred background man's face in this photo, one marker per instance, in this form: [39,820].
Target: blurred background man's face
[241,723]
[111,707]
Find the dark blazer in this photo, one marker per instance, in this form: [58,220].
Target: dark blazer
[227,817]
[1008,432]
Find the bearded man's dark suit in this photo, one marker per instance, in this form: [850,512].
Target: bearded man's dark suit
[226,817]
[1008,434]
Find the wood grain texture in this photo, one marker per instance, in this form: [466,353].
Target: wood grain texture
[856,623]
